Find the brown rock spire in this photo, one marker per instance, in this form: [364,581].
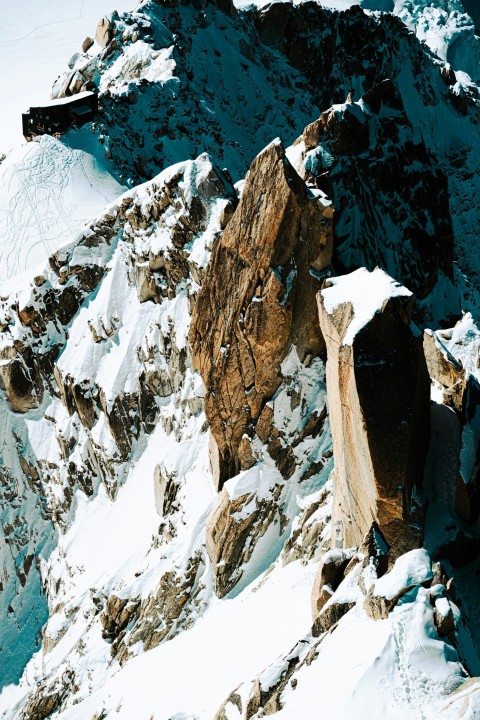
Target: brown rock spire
[257,298]
[379,399]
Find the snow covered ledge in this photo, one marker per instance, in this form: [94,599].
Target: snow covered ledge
[378,396]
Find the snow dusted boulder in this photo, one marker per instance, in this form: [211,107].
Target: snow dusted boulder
[410,570]
[116,616]
[379,400]
[445,369]
[329,576]
[87,44]
[333,604]
[246,508]
[104,32]
[19,377]
[258,296]
[444,617]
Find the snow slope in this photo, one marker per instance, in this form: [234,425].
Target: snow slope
[47,193]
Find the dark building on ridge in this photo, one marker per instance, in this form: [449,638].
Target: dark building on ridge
[56,116]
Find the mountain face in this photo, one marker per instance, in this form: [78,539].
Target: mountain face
[240,436]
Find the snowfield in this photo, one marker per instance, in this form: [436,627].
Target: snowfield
[47,193]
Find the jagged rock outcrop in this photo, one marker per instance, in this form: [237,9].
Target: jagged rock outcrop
[329,576]
[292,457]
[445,369]
[391,199]
[57,329]
[310,535]
[233,529]
[271,253]
[162,614]
[19,377]
[104,32]
[155,269]
[452,359]
[117,454]
[116,616]
[379,400]
[87,44]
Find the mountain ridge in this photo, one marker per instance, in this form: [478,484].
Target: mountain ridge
[170,505]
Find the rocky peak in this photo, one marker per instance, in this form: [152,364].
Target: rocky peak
[257,298]
[378,398]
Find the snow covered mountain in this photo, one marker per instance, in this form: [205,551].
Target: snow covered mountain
[239,372]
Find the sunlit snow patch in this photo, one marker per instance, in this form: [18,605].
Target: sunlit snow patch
[47,193]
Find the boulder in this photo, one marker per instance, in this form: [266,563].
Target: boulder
[271,252]
[329,576]
[87,44]
[232,532]
[117,614]
[330,616]
[104,33]
[379,404]
[20,378]
[445,369]
[443,617]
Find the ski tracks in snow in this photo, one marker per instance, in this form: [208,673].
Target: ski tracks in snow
[46,196]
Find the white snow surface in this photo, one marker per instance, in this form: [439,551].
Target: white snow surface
[366,291]
[47,194]
[138,60]
[411,569]
[378,670]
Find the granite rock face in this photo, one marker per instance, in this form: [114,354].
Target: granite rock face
[257,298]
[452,360]
[379,399]
[231,534]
